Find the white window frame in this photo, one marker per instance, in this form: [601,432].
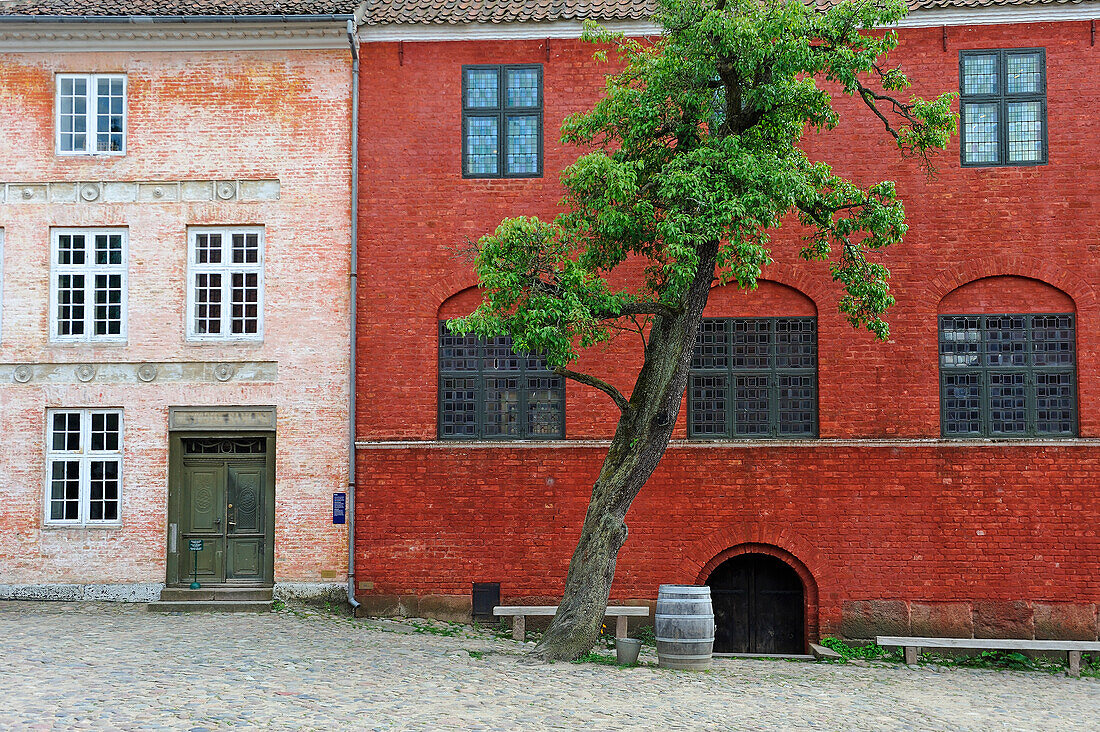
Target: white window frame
[92,125]
[89,269]
[226,269]
[85,456]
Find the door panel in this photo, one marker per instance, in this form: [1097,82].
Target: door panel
[203,518]
[246,511]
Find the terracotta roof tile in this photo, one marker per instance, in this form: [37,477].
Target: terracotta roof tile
[385,12]
[177,7]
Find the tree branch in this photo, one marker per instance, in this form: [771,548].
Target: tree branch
[640,308]
[617,396]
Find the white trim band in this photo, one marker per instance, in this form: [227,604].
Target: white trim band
[996,15]
[57,38]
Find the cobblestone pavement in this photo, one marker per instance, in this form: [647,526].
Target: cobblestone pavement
[101,666]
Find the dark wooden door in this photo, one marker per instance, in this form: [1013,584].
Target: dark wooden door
[224,503]
[759,606]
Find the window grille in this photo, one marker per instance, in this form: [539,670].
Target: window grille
[225,299]
[91,114]
[502,121]
[83,466]
[88,285]
[754,378]
[1004,107]
[488,392]
[1008,375]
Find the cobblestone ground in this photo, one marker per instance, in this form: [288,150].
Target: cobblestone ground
[99,666]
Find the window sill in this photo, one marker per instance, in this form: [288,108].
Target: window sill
[105,526]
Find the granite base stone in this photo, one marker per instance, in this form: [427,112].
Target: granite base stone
[132,592]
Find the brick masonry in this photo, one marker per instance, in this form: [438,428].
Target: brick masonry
[892,529]
[282,115]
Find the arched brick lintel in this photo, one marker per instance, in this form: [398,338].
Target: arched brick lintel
[443,289]
[1013,264]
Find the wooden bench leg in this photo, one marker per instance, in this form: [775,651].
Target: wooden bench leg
[1074,663]
[519,627]
[620,626]
[910,655]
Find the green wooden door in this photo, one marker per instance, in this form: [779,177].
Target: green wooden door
[224,503]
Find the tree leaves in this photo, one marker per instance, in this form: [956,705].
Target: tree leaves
[696,140]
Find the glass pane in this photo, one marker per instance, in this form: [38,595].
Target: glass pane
[1025,131]
[797,406]
[499,356]
[1052,340]
[523,145]
[980,126]
[960,341]
[752,415]
[105,431]
[1024,73]
[208,302]
[64,490]
[457,352]
[980,74]
[70,304]
[502,407]
[245,303]
[208,248]
[71,249]
[482,88]
[1054,404]
[707,404]
[711,345]
[245,249]
[544,406]
[108,249]
[458,407]
[1007,404]
[751,344]
[103,490]
[1005,341]
[962,394]
[482,137]
[109,122]
[107,310]
[522,88]
[65,432]
[795,343]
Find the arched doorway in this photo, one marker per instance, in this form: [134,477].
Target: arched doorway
[759,606]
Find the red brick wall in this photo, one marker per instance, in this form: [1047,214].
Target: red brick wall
[893,524]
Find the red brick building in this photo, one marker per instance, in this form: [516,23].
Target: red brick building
[944,482]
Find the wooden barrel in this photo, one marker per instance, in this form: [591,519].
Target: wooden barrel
[684,627]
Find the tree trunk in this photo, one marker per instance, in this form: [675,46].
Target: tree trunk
[640,440]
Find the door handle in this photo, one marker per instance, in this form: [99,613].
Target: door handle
[231,522]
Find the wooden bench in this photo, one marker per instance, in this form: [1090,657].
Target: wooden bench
[912,646]
[519,615]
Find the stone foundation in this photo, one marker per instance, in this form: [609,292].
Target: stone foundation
[865,619]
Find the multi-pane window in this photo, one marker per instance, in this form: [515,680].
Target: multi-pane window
[1004,107]
[502,121]
[754,378]
[88,285]
[488,392]
[226,294]
[91,114]
[1008,376]
[83,466]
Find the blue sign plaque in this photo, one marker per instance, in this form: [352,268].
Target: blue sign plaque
[194,545]
[339,508]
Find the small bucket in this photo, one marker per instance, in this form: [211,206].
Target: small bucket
[627,650]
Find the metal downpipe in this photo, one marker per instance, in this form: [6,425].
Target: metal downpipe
[354,307]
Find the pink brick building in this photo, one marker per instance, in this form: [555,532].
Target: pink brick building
[175,228]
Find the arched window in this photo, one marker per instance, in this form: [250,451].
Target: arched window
[1006,373]
[488,392]
[755,377]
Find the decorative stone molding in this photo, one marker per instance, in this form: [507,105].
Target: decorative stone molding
[144,372]
[174,36]
[87,192]
[218,419]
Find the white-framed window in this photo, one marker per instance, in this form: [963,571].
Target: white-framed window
[225,293]
[91,114]
[88,285]
[83,466]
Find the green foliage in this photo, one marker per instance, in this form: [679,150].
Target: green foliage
[647,635]
[696,140]
[870,652]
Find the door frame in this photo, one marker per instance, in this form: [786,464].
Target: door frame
[173,538]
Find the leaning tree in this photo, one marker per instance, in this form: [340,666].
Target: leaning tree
[694,160]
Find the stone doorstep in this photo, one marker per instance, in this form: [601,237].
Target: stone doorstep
[216,594]
[220,606]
